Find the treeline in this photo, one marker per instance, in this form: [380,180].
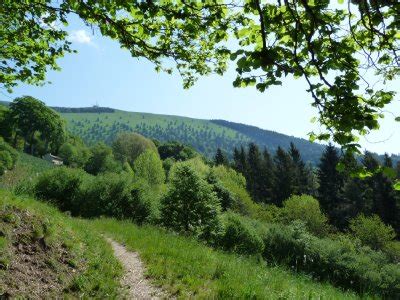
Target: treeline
[273,178]
[265,138]
[93,109]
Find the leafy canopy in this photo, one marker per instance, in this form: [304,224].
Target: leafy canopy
[330,44]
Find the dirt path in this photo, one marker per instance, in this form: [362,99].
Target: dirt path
[134,281]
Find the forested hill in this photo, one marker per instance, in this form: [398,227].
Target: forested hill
[96,124]
[271,139]
[206,136]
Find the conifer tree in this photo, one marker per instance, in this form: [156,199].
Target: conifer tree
[240,161]
[254,178]
[385,198]
[398,169]
[330,182]
[267,175]
[300,179]
[284,176]
[355,197]
[220,158]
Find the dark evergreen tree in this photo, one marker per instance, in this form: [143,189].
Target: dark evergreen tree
[220,158]
[330,183]
[284,176]
[398,169]
[355,198]
[300,180]
[240,161]
[267,176]
[385,198]
[254,172]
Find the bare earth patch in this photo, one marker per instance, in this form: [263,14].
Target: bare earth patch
[134,281]
[31,268]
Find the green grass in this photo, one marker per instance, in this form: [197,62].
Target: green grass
[27,168]
[187,268]
[97,272]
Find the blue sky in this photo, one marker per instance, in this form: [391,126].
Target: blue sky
[103,73]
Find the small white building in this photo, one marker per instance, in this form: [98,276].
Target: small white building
[55,160]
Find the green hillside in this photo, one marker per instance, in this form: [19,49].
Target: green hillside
[204,135]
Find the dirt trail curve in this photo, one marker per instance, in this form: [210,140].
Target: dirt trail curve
[134,281]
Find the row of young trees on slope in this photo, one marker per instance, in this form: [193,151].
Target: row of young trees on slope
[271,179]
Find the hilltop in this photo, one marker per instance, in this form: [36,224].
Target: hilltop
[96,124]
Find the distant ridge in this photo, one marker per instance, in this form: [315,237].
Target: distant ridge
[95,124]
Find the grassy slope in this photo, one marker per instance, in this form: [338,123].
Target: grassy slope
[88,269]
[27,167]
[94,127]
[183,266]
[189,269]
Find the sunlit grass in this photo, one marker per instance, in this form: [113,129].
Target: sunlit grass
[188,268]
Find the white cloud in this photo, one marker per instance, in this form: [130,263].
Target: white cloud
[82,37]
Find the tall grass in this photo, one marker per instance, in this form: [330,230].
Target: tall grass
[187,268]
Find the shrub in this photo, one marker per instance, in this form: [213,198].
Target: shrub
[106,194]
[235,183]
[8,157]
[225,197]
[128,146]
[190,206]
[101,160]
[372,231]
[240,236]
[176,151]
[307,209]
[341,261]
[148,166]
[74,154]
[25,187]
[144,204]
[392,249]
[61,186]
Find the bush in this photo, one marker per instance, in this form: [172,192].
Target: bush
[144,204]
[392,249]
[307,209]
[25,187]
[225,197]
[235,183]
[101,160]
[62,186]
[8,157]
[128,146]
[240,236]
[372,231]
[341,261]
[190,206]
[148,166]
[176,151]
[74,154]
[106,194]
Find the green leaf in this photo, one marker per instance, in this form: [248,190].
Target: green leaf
[389,172]
[396,186]
[340,167]
[397,119]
